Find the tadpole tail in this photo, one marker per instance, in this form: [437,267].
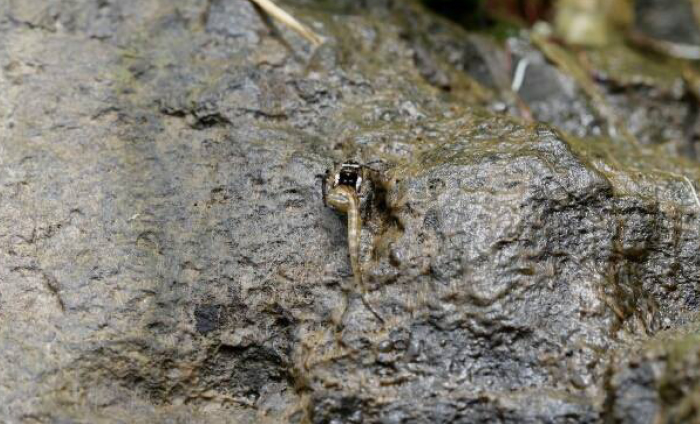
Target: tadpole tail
[354,229]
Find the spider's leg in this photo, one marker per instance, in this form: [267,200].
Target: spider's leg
[381,162]
[324,185]
[371,308]
[324,190]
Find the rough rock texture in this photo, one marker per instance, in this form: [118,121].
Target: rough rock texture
[671,20]
[658,379]
[165,255]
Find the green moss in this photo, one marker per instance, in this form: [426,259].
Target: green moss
[626,66]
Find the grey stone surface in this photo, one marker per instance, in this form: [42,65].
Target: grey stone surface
[165,255]
[671,20]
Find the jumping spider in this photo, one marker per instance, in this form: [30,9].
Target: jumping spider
[349,188]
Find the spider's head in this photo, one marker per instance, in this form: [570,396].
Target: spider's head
[348,174]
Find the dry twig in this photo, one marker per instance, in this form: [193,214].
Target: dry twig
[276,12]
[692,189]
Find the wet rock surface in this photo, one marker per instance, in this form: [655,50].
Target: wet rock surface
[166,255]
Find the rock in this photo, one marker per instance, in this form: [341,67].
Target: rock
[551,94]
[658,382]
[167,256]
[672,20]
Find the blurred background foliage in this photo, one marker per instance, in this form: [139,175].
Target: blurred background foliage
[486,13]
[626,68]
[576,21]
